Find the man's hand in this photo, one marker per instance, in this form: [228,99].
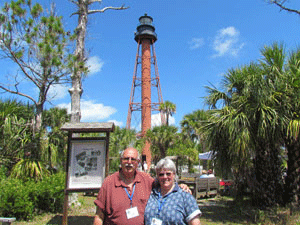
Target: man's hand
[99,218]
[185,188]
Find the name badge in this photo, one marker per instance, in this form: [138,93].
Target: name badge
[156,221]
[132,212]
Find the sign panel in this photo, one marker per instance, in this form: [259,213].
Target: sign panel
[87,164]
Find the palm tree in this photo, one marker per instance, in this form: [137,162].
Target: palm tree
[119,140]
[168,108]
[15,130]
[55,145]
[191,124]
[161,138]
[249,125]
[52,150]
[186,151]
[289,106]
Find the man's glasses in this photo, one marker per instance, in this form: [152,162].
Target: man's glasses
[129,158]
[163,174]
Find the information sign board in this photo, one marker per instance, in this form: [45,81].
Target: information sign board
[87,164]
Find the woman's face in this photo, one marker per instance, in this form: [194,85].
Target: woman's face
[166,179]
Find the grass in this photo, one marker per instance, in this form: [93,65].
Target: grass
[215,211]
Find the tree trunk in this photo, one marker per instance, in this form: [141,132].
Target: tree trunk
[292,182]
[268,182]
[76,90]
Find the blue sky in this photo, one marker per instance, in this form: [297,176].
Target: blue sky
[198,42]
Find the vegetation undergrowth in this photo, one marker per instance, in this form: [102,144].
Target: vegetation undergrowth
[224,210]
[216,211]
[24,200]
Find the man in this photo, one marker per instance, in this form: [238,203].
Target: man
[123,196]
[145,167]
[210,173]
[204,174]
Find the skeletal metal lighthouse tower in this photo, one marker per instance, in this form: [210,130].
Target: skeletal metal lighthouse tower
[145,36]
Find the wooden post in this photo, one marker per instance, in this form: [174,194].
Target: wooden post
[107,155]
[65,210]
[66,199]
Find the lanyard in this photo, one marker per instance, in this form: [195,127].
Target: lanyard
[130,196]
[161,202]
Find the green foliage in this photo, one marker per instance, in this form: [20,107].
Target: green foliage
[25,200]
[18,146]
[55,146]
[29,169]
[121,139]
[36,10]
[114,165]
[161,138]
[36,41]
[49,193]
[168,108]
[15,200]
[3,173]
[15,131]
[254,117]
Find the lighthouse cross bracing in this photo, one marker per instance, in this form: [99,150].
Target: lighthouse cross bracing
[135,103]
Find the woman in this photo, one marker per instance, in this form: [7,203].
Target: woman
[168,204]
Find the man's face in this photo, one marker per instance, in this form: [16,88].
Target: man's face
[129,161]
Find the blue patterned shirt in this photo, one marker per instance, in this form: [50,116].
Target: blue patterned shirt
[177,207]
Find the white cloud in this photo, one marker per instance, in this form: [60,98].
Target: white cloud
[94,64]
[117,123]
[227,42]
[156,120]
[58,91]
[91,111]
[196,43]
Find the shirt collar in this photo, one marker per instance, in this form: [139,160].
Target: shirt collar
[157,189]
[120,183]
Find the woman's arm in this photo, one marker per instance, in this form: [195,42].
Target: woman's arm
[195,221]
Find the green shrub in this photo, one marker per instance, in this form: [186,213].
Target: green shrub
[3,172]
[15,200]
[24,200]
[50,193]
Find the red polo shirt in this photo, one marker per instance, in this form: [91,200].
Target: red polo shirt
[113,200]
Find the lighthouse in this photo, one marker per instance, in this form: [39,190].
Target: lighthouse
[146,78]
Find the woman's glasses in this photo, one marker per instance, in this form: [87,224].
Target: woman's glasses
[163,174]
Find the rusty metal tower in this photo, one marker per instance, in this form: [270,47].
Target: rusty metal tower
[145,37]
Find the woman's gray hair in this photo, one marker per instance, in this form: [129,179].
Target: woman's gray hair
[165,163]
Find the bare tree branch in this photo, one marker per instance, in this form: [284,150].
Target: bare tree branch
[22,68]
[93,1]
[18,93]
[280,4]
[106,8]
[102,10]
[75,2]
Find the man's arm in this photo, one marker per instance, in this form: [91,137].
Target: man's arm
[99,218]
